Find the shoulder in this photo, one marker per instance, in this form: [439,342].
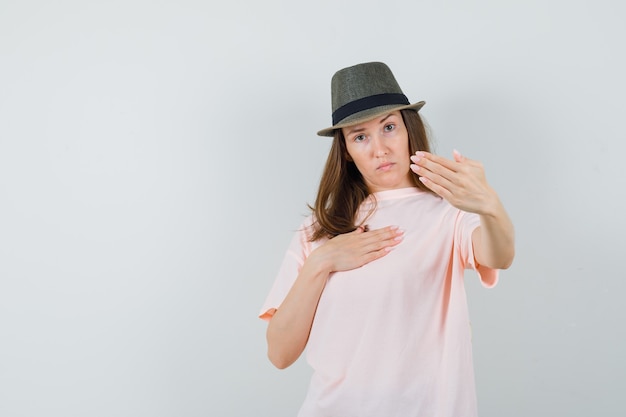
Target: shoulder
[304,234]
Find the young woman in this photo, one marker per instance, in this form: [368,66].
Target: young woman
[372,283]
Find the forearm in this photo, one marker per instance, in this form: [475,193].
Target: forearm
[494,240]
[288,330]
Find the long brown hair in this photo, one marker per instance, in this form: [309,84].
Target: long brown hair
[342,188]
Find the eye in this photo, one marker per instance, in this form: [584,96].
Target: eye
[390,127]
[359,138]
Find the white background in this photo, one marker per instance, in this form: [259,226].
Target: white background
[156,156]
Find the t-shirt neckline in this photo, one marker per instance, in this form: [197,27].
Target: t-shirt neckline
[396,193]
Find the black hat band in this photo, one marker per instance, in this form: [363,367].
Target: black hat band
[367,103]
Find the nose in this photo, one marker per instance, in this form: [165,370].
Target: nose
[379,146]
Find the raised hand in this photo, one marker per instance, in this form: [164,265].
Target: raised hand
[461,181]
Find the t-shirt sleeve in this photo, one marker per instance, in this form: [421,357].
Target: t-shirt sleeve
[298,250]
[467,223]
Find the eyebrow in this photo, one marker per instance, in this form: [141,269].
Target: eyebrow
[360,129]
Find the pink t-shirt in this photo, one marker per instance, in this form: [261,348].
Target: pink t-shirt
[392,338]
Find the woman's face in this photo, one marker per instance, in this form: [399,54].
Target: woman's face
[380,151]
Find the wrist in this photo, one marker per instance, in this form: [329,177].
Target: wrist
[320,265]
[492,207]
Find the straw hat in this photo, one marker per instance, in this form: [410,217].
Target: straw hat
[363,92]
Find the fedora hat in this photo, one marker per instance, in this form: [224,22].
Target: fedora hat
[363,92]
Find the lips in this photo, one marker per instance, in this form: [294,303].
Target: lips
[386,166]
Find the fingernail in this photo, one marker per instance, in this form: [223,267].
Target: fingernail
[415,158]
[415,167]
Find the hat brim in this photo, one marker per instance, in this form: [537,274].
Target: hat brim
[367,115]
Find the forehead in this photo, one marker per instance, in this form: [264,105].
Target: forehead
[379,120]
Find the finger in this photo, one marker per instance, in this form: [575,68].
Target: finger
[381,238]
[384,233]
[436,188]
[422,158]
[445,180]
[388,231]
[359,230]
[465,161]
[372,256]
[439,165]
[423,167]
[364,235]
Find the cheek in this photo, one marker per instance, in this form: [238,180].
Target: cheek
[354,154]
[359,161]
[404,145]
